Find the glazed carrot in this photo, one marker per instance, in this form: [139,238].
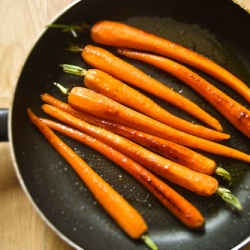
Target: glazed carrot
[126,216]
[122,35]
[199,183]
[172,171]
[113,88]
[102,59]
[92,102]
[179,206]
[237,114]
[168,149]
[212,147]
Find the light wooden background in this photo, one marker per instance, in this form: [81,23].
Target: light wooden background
[21,23]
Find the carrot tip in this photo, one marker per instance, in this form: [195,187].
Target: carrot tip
[146,239]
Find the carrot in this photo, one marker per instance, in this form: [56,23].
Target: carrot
[199,183]
[161,166]
[122,35]
[126,216]
[179,206]
[237,114]
[213,148]
[102,59]
[168,149]
[111,87]
[92,102]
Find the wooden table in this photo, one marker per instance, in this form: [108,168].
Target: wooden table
[22,21]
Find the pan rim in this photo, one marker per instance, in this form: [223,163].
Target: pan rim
[21,181]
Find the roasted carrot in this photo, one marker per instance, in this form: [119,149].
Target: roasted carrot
[113,88]
[168,149]
[126,216]
[212,147]
[122,35]
[179,206]
[92,102]
[237,114]
[161,166]
[202,184]
[102,59]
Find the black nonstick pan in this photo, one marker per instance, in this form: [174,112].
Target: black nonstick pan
[217,29]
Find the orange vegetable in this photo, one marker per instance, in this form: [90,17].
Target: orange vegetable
[212,147]
[92,102]
[122,35]
[179,206]
[113,88]
[199,183]
[192,180]
[101,59]
[168,149]
[237,114]
[126,216]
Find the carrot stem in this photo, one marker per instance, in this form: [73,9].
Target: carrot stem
[64,90]
[73,28]
[227,196]
[148,241]
[223,173]
[73,69]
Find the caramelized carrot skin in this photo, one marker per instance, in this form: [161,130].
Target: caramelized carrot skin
[118,208]
[179,206]
[199,183]
[111,87]
[168,149]
[92,102]
[104,60]
[212,147]
[237,114]
[122,35]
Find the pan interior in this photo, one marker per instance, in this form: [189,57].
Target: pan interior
[56,189]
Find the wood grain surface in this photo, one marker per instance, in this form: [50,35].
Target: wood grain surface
[21,23]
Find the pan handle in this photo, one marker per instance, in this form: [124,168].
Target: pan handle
[4,113]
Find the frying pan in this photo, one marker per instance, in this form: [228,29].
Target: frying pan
[217,29]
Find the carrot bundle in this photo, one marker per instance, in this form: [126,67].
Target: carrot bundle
[237,114]
[126,216]
[104,60]
[202,184]
[111,87]
[89,101]
[168,149]
[122,35]
[179,206]
[197,182]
